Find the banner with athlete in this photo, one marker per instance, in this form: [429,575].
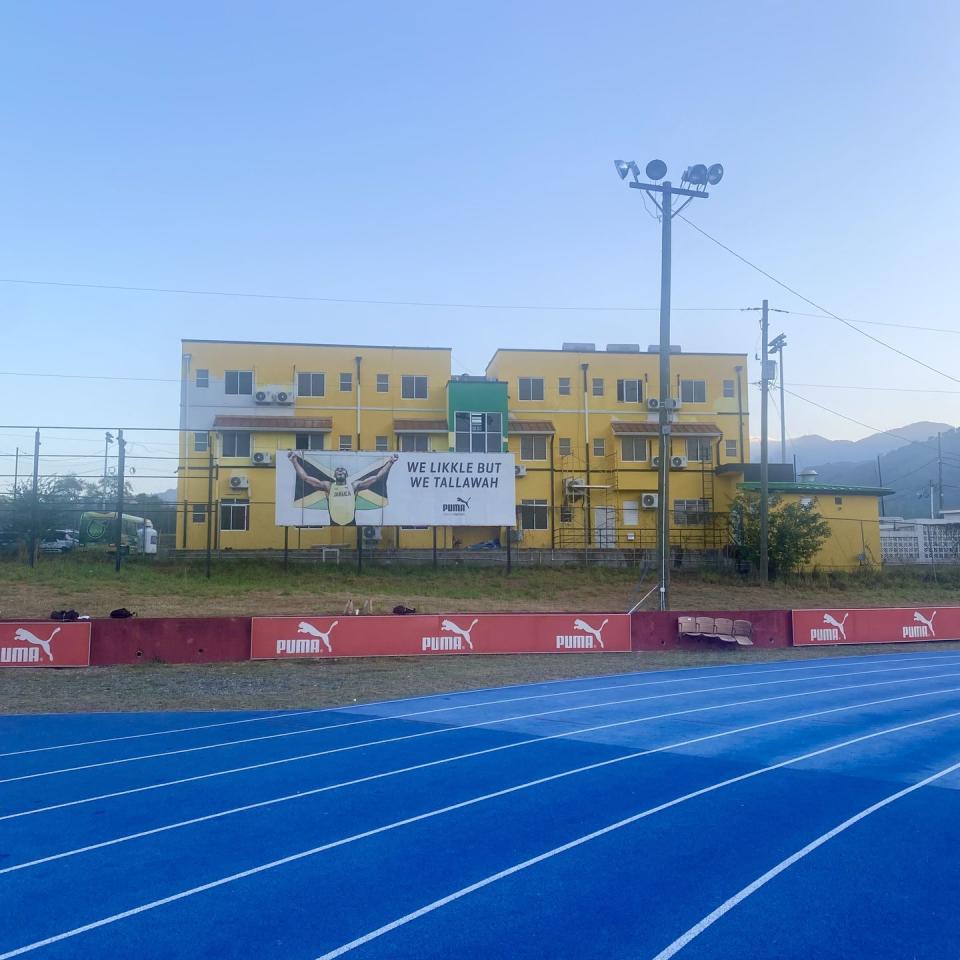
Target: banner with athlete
[329,488]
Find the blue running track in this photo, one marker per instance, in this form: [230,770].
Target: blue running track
[791,809]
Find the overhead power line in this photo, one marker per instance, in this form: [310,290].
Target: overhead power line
[585,308]
[815,305]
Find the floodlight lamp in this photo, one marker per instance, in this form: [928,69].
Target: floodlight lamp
[696,175]
[625,167]
[715,174]
[656,170]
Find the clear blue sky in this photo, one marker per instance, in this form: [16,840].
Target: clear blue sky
[463,153]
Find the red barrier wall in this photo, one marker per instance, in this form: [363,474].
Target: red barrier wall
[169,640]
[658,631]
[44,643]
[824,627]
[461,634]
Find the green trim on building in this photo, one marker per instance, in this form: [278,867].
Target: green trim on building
[837,488]
[476,396]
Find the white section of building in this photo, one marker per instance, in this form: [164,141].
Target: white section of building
[920,541]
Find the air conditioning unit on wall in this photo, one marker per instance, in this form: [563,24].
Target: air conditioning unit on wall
[678,463]
[262,458]
[372,534]
[649,501]
[284,397]
[263,396]
[519,470]
[239,481]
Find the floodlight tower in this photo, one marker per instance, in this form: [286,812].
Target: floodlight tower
[693,184]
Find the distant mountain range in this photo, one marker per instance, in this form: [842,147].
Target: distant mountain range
[908,464]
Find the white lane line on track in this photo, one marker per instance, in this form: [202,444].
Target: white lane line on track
[760,668]
[452,727]
[304,854]
[578,732]
[433,763]
[603,831]
[684,939]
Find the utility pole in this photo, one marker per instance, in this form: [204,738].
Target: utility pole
[121,458]
[940,471]
[107,440]
[777,344]
[697,176]
[35,508]
[764,452]
[16,473]
[880,484]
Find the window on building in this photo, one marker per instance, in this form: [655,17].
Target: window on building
[566,513]
[201,441]
[199,513]
[309,441]
[599,447]
[383,383]
[381,444]
[633,449]
[598,386]
[203,378]
[630,391]
[691,513]
[563,387]
[730,448]
[565,446]
[235,443]
[534,515]
[531,388]
[699,449]
[729,389]
[693,391]
[631,513]
[838,501]
[346,382]
[533,448]
[346,441]
[414,443]
[238,382]
[413,387]
[478,432]
[311,384]
[234,514]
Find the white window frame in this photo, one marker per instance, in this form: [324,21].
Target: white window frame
[729,389]
[413,386]
[565,442]
[414,442]
[730,448]
[381,444]
[231,438]
[346,382]
[346,442]
[383,383]
[201,445]
[597,387]
[691,513]
[599,447]
[689,390]
[623,388]
[630,440]
[695,449]
[533,385]
[533,447]
[563,387]
[242,379]
[538,511]
[233,505]
[631,513]
[310,377]
[198,513]
[467,431]
[203,378]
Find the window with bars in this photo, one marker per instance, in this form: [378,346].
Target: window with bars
[534,515]
[478,432]
[598,386]
[530,388]
[311,384]
[633,449]
[235,443]
[309,441]
[699,450]
[630,391]
[691,513]
[234,514]
[533,448]
[238,382]
[693,391]
[413,387]
[414,443]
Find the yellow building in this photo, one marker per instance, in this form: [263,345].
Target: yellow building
[578,420]
[242,402]
[587,441]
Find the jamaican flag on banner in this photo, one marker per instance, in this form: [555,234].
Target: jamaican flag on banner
[327,485]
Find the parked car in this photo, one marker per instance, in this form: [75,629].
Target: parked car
[59,541]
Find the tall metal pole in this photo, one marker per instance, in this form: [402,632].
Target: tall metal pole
[764,452]
[663,478]
[16,473]
[940,471]
[743,454]
[121,456]
[35,508]
[106,444]
[783,409]
[880,484]
[210,442]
